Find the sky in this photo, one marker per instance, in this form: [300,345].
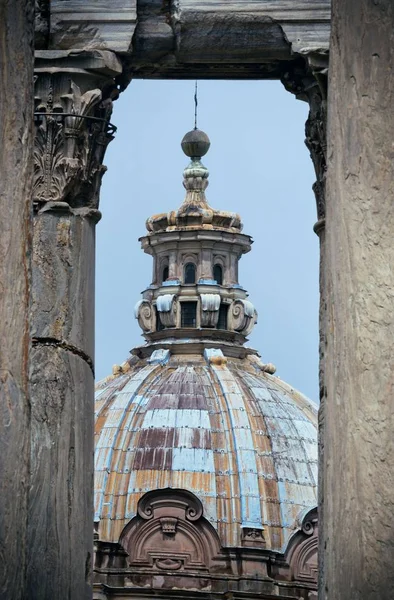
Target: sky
[259,167]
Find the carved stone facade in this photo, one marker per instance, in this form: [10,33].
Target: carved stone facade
[170,548]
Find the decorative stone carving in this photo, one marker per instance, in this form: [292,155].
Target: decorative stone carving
[253,537]
[145,313]
[166,306]
[72,131]
[170,534]
[315,140]
[243,316]
[302,551]
[168,525]
[308,81]
[181,501]
[169,564]
[210,304]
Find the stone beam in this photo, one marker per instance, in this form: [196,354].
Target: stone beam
[247,39]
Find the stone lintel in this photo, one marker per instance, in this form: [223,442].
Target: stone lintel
[99,61]
[184,39]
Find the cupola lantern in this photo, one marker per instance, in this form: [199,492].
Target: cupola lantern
[195,292]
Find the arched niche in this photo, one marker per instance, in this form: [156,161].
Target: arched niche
[189,273]
[218,273]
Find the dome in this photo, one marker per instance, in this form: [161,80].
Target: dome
[205,462]
[240,439]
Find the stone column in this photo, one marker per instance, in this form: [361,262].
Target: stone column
[316,141]
[73,103]
[357,533]
[308,81]
[16,156]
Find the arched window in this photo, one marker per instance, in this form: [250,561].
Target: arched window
[165,274]
[218,274]
[190,273]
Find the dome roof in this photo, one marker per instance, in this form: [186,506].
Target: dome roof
[240,439]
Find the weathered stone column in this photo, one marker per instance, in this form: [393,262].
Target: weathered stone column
[357,530]
[73,102]
[308,81]
[16,154]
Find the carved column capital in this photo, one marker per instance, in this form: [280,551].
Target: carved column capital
[307,79]
[73,106]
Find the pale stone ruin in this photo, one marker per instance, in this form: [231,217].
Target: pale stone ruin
[80,55]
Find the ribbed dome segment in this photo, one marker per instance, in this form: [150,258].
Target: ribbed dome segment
[241,440]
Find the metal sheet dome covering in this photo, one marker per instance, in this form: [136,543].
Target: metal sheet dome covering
[240,439]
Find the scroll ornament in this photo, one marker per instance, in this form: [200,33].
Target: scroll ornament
[166,307]
[243,316]
[145,314]
[210,304]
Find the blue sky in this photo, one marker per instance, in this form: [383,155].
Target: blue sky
[259,167]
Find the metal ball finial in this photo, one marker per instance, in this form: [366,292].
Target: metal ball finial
[195,143]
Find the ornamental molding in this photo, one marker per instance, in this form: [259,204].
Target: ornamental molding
[184,503]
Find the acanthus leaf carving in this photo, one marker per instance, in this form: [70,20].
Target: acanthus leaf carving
[308,81]
[72,133]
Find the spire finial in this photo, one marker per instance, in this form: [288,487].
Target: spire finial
[195,105]
[195,144]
